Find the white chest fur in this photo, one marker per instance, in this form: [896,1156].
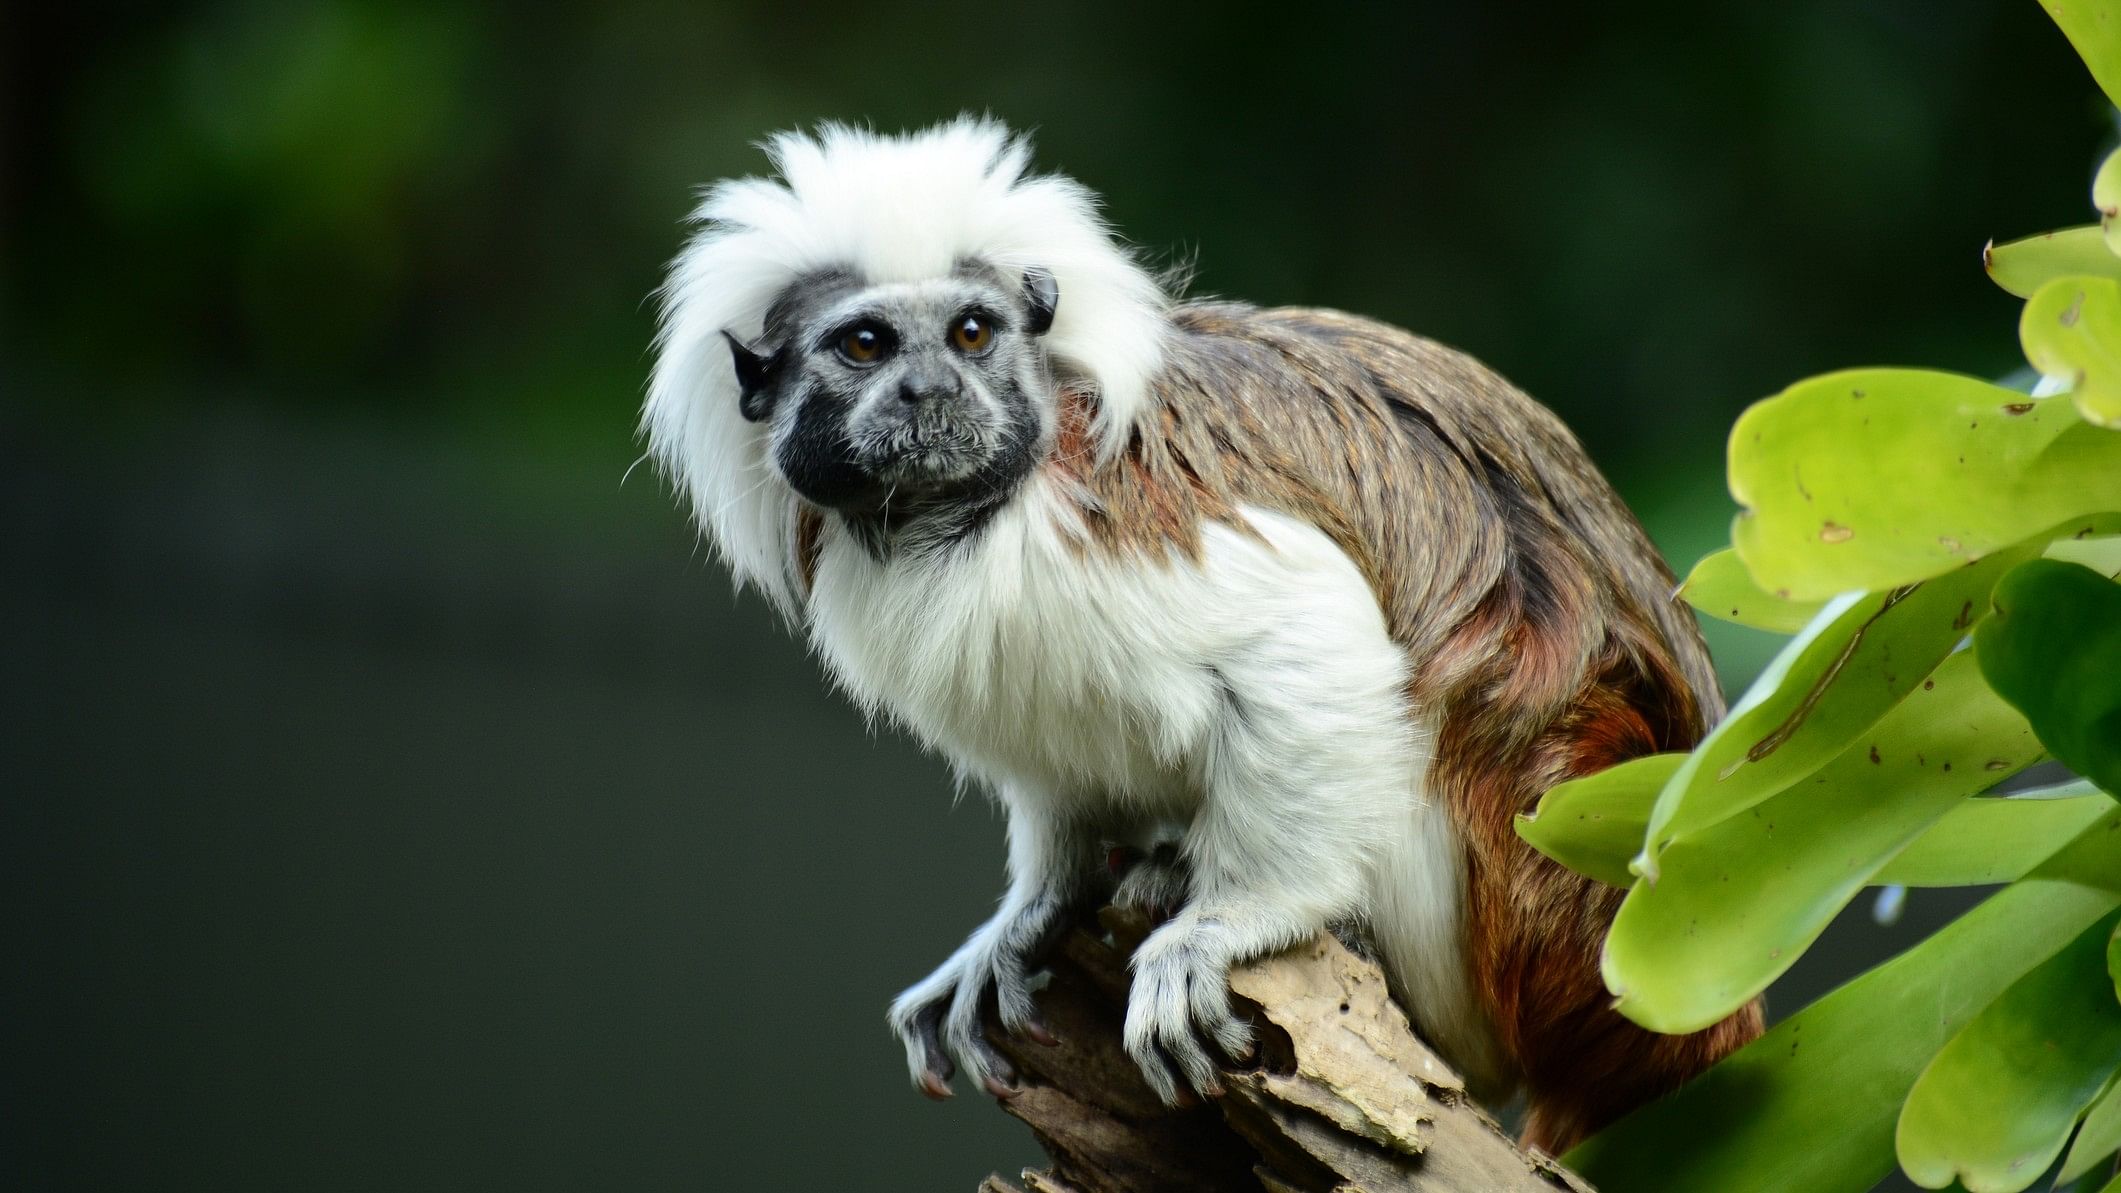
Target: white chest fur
[1025,659]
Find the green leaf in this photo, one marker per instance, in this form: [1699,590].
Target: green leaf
[1812,1104]
[2099,1136]
[2023,266]
[1740,900]
[2094,28]
[2101,553]
[1984,841]
[2071,330]
[1994,1108]
[2053,649]
[1829,685]
[2106,197]
[1595,828]
[1594,825]
[2113,962]
[1721,587]
[1875,478]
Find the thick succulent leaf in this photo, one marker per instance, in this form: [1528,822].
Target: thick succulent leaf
[2100,1135]
[1994,1108]
[2094,28]
[1594,825]
[1985,841]
[1721,587]
[1595,828]
[2113,962]
[1830,684]
[2071,330]
[1738,901]
[2101,553]
[2106,195]
[2023,266]
[1875,478]
[1812,1104]
[2053,649]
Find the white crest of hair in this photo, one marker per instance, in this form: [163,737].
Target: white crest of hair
[885,209]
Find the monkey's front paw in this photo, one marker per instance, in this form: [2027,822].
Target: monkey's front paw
[1180,1002]
[940,1020]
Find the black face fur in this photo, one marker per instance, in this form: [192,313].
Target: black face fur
[892,403]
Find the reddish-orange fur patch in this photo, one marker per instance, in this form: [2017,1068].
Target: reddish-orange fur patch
[1535,930]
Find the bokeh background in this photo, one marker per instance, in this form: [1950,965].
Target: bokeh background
[392,792]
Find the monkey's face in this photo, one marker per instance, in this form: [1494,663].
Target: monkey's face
[903,395]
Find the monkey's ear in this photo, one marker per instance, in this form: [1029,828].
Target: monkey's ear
[753,374]
[1041,299]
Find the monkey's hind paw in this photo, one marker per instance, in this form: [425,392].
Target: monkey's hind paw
[1154,882]
[1179,1006]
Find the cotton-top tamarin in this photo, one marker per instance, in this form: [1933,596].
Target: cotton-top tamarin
[1326,602]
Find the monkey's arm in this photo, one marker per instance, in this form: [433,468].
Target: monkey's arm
[1053,866]
[1305,775]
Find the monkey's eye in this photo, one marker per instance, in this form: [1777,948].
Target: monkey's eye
[863,346]
[971,334]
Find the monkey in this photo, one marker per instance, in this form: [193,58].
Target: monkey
[1316,603]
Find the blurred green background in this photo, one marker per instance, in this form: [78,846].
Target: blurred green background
[392,794]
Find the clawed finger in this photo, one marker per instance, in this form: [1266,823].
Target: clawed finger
[1036,1030]
[936,1066]
[996,1075]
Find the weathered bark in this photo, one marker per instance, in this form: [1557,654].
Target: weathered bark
[1342,1095]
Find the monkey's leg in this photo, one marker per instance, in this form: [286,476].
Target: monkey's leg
[1051,863]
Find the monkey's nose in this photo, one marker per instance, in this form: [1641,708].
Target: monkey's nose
[915,391]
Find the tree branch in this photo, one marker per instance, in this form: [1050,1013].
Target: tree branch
[1343,1096]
